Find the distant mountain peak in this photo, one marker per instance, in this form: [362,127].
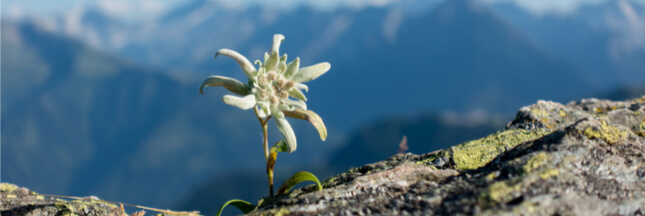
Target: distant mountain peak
[458,9]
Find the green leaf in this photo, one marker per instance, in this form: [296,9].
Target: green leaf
[307,74]
[231,84]
[244,206]
[310,116]
[273,156]
[280,146]
[296,179]
[244,63]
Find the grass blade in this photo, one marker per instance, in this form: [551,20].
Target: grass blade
[296,179]
[244,206]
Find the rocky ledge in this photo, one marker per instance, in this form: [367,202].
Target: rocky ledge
[583,158]
[17,200]
[22,201]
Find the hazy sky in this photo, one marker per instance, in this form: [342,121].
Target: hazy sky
[153,7]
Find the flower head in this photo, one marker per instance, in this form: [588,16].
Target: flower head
[274,88]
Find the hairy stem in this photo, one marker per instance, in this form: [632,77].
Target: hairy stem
[270,161]
[265,142]
[265,135]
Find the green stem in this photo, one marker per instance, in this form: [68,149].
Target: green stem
[270,177]
[265,143]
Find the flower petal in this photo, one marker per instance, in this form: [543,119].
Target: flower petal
[264,110]
[246,102]
[295,103]
[286,130]
[292,68]
[244,63]
[302,86]
[276,111]
[282,67]
[297,94]
[307,74]
[275,47]
[270,64]
[283,58]
[310,116]
[231,84]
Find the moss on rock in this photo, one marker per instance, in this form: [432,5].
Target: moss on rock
[477,153]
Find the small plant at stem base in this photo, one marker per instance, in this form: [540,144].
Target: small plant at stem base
[274,91]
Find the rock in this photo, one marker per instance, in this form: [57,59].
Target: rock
[583,158]
[21,201]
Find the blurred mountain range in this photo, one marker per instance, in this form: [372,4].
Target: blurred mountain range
[76,121]
[94,105]
[509,51]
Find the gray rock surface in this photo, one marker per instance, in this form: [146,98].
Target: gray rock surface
[15,200]
[22,201]
[583,158]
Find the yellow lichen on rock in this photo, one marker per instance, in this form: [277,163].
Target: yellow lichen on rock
[641,128]
[477,153]
[562,113]
[500,190]
[66,210]
[504,191]
[7,188]
[535,162]
[540,113]
[491,176]
[548,173]
[606,132]
[428,161]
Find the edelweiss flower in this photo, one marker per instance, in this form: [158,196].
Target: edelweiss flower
[275,89]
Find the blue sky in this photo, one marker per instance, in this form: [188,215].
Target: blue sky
[48,7]
[154,7]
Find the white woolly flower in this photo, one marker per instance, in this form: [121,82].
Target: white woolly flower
[275,88]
